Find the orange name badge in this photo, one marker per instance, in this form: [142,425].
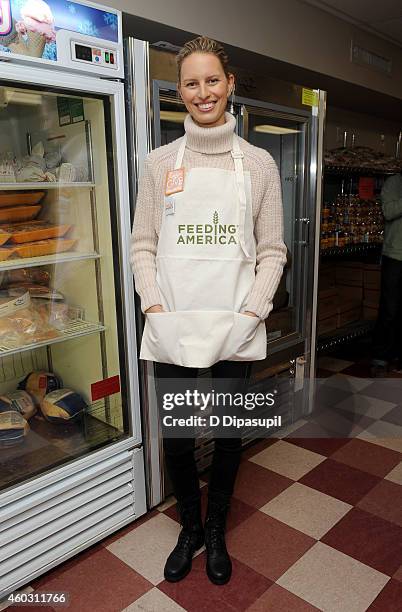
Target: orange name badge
[174,181]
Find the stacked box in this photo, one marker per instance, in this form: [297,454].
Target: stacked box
[327,276]
[327,310]
[349,311]
[371,291]
[349,273]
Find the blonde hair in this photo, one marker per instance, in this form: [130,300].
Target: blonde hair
[202,44]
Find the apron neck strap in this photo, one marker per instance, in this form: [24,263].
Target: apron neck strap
[180,154]
[238,155]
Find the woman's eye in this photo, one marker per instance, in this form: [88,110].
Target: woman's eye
[213,80]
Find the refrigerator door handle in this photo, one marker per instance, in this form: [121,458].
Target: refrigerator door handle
[306,231]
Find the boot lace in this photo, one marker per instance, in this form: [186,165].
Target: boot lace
[215,526]
[184,542]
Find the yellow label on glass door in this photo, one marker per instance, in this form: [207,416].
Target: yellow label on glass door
[309,97]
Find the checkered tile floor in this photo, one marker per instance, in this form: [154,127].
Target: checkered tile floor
[315,522]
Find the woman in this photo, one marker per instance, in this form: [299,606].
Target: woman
[207,254]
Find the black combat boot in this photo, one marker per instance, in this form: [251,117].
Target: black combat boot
[219,565]
[191,538]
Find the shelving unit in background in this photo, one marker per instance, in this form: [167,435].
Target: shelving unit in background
[349,269]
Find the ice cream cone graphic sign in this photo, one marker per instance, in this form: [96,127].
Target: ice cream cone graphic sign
[5,18]
[37,28]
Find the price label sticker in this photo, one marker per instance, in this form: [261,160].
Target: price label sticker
[309,97]
[366,188]
[174,181]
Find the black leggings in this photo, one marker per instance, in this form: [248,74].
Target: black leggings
[179,452]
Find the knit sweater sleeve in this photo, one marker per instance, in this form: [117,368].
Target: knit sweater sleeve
[271,249]
[144,241]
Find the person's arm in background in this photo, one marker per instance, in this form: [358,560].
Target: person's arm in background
[271,250]
[391,198]
[144,243]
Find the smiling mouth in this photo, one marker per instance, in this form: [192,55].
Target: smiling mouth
[206,107]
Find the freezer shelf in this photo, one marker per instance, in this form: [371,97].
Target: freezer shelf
[44,260]
[73,330]
[40,186]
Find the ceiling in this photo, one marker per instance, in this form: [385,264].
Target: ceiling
[383,17]
[340,93]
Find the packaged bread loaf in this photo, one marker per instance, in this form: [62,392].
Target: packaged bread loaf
[44,247]
[21,323]
[18,213]
[34,230]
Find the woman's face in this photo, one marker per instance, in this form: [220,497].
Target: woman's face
[204,88]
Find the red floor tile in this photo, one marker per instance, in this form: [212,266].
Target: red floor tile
[398,574]
[198,594]
[341,481]
[70,563]
[329,395]
[277,599]
[253,449]
[323,373]
[359,369]
[267,545]
[310,436]
[394,416]
[16,608]
[255,485]
[368,457]
[384,500]
[369,539]
[97,581]
[381,389]
[390,598]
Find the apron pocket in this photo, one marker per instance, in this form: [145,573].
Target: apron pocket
[248,341]
[200,338]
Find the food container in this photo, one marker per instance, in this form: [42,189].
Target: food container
[18,213]
[35,230]
[6,252]
[20,198]
[4,236]
[44,247]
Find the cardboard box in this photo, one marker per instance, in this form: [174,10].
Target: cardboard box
[348,292]
[370,312]
[349,273]
[372,296]
[372,276]
[327,303]
[327,277]
[349,315]
[327,325]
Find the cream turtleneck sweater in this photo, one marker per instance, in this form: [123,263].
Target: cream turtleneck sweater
[210,147]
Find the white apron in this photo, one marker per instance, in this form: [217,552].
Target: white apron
[205,266]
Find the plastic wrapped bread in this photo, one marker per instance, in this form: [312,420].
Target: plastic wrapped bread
[33,231]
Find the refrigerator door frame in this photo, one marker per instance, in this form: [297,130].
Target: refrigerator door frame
[139,132]
[44,78]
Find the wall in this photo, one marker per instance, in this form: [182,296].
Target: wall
[287,30]
[367,130]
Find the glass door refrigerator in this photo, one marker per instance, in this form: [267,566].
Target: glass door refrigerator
[71,458]
[286,120]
